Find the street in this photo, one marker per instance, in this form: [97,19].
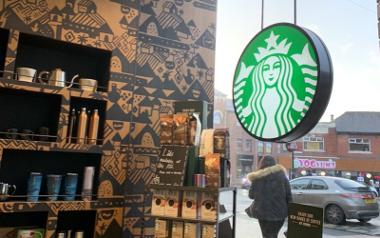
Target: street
[249,228]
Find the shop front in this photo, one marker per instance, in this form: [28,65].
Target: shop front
[314,166]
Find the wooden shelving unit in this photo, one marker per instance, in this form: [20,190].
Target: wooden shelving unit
[223,215]
[33,105]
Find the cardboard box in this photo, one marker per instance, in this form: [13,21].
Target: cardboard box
[209,206]
[158,202]
[8,232]
[172,206]
[161,229]
[200,107]
[208,231]
[177,229]
[222,142]
[191,230]
[190,205]
[207,142]
[213,176]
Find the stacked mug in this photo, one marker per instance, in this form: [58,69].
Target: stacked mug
[53,186]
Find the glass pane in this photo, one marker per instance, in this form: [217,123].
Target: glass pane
[318,184]
[299,184]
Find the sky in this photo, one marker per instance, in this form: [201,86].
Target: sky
[347,27]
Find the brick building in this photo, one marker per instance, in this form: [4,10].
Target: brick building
[347,147]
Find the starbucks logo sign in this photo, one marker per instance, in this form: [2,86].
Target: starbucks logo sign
[282,83]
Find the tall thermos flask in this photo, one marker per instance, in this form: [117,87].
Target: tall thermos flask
[93,128]
[88,182]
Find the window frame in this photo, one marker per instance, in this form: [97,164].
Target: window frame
[248,148]
[311,185]
[354,140]
[307,186]
[313,139]
[258,145]
[239,144]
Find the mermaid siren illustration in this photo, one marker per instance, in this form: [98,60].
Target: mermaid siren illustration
[272,96]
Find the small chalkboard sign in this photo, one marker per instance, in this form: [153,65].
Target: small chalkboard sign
[171,165]
[305,221]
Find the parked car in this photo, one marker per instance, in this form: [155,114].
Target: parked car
[374,191]
[340,198]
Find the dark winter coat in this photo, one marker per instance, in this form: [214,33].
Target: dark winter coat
[270,190]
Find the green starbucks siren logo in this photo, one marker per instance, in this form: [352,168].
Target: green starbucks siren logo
[277,84]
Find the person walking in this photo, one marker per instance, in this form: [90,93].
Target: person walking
[270,190]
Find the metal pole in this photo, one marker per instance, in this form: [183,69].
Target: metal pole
[262,14]
[295,12]
[292,167]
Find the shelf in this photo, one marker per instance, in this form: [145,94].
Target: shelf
[223,218]
[194,189]
[16,166]
[43,53]
[77,221]
[181,219]
[38,87]
[4,36]
[48,146]
[44,206]
[29,111]
[23,219]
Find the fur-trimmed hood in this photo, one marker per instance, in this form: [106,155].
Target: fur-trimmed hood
[261,173]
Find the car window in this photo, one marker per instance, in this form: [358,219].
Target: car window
[318,184]
[299,184]
[352,185]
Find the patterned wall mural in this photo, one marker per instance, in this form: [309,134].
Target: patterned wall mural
[162,51]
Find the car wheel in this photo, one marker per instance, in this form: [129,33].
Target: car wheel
[335,215]
[364,220]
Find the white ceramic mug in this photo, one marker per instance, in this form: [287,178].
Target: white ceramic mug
[88,84]
[26,74]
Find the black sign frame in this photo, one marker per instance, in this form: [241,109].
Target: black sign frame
[305,221]
[323,88]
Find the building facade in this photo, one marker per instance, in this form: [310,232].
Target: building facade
[346,147]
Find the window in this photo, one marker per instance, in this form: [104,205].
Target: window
[351,185]
[239,145]
[248,145]
[299,184]
[317,184]
[268,148]
[218,119]
[313,143]
[359,145]
[260,147]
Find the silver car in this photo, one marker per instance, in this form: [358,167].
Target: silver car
[341,198]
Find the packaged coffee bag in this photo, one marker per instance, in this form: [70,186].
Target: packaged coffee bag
[166,135]
[180,128]
[221,143]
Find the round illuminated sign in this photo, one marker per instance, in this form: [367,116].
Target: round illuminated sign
[282,83]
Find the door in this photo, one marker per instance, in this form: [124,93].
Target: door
[299,190]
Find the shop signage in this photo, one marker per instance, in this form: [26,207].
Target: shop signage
[314,164]
[305,221]
[282,83]
[171,166]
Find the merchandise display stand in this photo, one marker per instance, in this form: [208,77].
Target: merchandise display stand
[34,105]
[226,211]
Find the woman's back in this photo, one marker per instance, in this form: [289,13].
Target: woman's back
[271,191]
